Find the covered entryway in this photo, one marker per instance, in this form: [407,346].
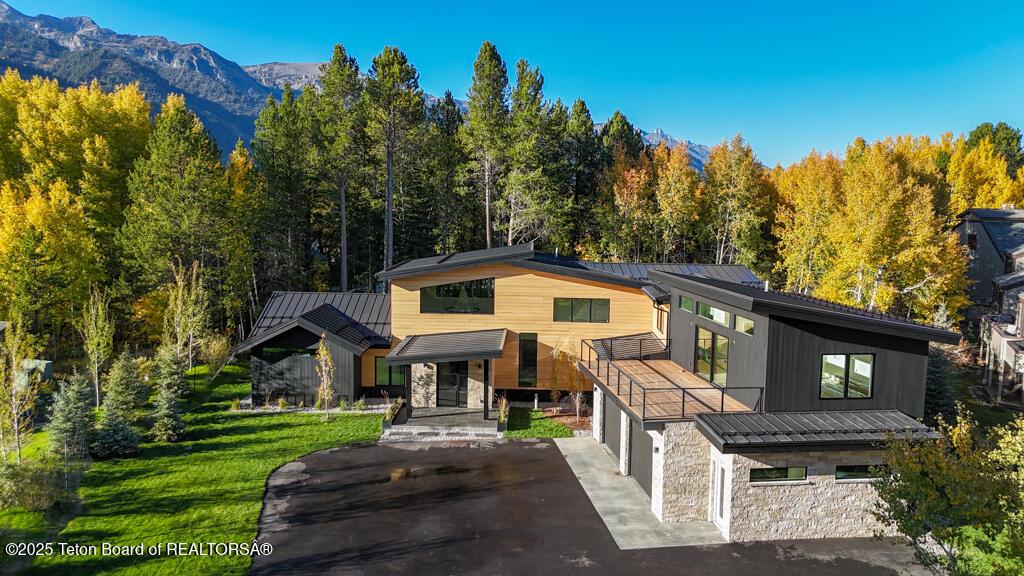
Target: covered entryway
[641,450]
[611,420]
[452,383]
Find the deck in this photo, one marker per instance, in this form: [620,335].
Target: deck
[660,389]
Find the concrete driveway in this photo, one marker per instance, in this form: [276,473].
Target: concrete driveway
[493,508]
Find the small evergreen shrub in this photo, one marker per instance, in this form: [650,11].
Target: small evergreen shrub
[71,419]
[319,404]
[167,424]
[342,403]
[115,436]
[125,390]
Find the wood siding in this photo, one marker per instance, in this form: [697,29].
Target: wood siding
[794,368]
[523,303]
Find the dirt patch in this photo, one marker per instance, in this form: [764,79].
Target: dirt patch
[569,419]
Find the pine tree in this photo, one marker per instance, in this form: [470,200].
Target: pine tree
[487,126]
[167,424]
[1006,141]
[170,369]
[71,419]
[618,135]
[939,400]
[125,391]
[115,436]
[585,165]
[395,110]
[452,213]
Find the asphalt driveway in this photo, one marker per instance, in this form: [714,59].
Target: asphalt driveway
[500,508]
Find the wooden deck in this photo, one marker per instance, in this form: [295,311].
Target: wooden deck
[664,390]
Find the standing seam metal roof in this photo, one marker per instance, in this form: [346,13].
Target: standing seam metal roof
[372,311]
[449,346]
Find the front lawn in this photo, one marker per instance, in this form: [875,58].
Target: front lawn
[526,423]
[206,489]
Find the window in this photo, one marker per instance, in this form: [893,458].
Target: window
[846,375]
[745,325]
[711,358]
[855,472]
[582,310]
[470,297]
[711,313]
[661,314]
[972,241]
[528,360]
[384,375]
[790,474]
[686,303]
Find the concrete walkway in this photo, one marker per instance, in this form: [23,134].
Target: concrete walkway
[623,505]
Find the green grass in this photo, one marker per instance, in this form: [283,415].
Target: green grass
[987,417]
[208,488]
[524,423]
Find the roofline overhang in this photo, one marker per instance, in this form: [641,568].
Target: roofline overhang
[306,325]
[796,311]
[582,273]
[525,251]
[435,357]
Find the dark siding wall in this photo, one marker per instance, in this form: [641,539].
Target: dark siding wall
[747,354]
[794,367]
[296,376]
[983,264]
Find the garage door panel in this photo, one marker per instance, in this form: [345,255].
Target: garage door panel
[612,426]
[641,453]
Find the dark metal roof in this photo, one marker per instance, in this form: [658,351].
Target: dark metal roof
[1011,280]
[354,320]
[1007,235]
[992,213]
[449,347]
[441,262]
[790,304]
[775,431]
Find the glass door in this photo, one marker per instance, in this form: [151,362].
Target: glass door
[452,383]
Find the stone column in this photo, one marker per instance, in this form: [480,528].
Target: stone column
[625,429]
[657,473]
[475,385]
[597,415]
[424,385]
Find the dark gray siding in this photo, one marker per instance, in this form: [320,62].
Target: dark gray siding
[612,426]
[983,263]
[793,377]
[295,377]
[747,354]
[641,454]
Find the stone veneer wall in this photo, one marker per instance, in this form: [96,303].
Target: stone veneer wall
[475,385]
[685,472]
[625,435]
[424,385]
[597,415]
[822,507]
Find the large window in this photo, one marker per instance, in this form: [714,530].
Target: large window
[470,297]
[789,474]
[712,356]
[711,313]
[384,375]
[582,309]
[847,375]
[528,360]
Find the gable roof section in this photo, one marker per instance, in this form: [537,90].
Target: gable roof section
[449,347]
[632,274]
[1011,280]
[780,431]
[799,306]
[992,214]
[355,321]
[1007,235]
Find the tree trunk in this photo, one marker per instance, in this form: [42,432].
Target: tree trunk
[96,381]
[343,215]
[487,200]
[389,209]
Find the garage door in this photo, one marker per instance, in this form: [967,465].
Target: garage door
[641,448]
[612,430]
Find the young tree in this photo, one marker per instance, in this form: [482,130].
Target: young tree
[395,109]
[929,490]
[215,352]
[325,372]
[585,165]
[97,331]
[125,390]
[71,420]
[170,369]
[939,400]
[19,389]
[488,122]
[167,423]
[186,316]
[678,193]
[115,436]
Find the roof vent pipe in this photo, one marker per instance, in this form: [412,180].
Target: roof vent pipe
[765,285]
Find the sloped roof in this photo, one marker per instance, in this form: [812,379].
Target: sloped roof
[449,347]
[993,213]
[634,274]
[773,431]
[1010,280]
[356,321]
[789,304]
[1007,235]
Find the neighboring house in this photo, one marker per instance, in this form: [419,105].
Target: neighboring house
[995,243]
[41,369]
[1002,352]
[757,410]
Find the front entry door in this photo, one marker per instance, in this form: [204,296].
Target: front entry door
[452,383]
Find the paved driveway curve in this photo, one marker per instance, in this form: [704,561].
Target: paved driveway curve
[492,509]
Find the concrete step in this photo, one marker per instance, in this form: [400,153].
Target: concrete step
[407,433]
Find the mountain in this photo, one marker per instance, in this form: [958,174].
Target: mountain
[76,50]
[226,96]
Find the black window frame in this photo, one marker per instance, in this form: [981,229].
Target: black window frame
[711,359]
[710,315]
[380,361]
[573,303]
[471,285]
[868,473]
[681,303]
[846,376]
[751,480]
[736,324]
[528,337]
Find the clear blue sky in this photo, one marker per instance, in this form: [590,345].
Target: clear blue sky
[791,77]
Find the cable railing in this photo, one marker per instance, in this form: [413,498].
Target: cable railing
[670,401]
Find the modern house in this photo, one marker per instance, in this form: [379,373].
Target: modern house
[757,410]
[1002,351]
[995,243]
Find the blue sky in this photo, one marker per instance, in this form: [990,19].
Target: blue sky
[792,77]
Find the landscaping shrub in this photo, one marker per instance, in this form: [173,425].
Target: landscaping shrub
[71,419]
[167,424]
[236,405]
[115,436]
[32,485]
[170,370]
[282,404]
[360,404]
[125,391]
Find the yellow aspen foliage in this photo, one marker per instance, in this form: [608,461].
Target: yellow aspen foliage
[678,192]
[809,193]
[977,179]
